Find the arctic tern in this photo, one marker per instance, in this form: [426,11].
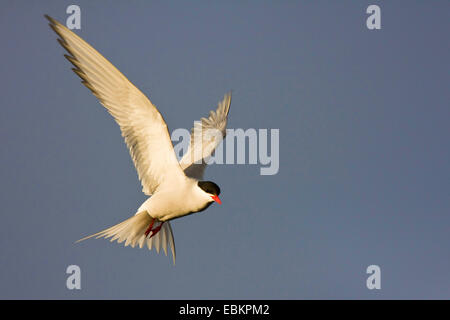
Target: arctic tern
[175,188]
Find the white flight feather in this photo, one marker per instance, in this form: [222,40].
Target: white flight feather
[143,128]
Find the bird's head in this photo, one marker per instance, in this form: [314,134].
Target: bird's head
[211,189]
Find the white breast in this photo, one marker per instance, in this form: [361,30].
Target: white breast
[183,199]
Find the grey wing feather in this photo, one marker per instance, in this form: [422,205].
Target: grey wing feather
[206,135]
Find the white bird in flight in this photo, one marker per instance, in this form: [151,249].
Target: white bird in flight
[176,188]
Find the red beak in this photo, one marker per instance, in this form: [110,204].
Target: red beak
[216,199]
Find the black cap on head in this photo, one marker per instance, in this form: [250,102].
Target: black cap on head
[209,187]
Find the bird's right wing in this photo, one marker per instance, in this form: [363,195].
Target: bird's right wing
[143,128]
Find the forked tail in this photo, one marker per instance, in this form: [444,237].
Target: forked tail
[133,230]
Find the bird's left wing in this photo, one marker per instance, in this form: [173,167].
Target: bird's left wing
[143,128]
[206,135]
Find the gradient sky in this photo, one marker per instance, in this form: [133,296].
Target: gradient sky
[364,159]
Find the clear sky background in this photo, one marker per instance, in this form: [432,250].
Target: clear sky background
[364,150]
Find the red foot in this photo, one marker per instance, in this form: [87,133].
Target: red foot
[154,231]
[149,228]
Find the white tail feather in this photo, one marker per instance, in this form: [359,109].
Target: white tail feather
[132,231]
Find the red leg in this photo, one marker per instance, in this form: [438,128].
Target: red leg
[156,230]
[149,227]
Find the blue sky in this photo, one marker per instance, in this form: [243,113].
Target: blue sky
[363,119]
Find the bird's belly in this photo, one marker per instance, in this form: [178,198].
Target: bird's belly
[166,208]
[186,212]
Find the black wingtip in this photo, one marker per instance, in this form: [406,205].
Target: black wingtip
[229,93]
[53,23]
[50,19]
[231,98]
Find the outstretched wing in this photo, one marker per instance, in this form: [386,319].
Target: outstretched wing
[143,128]
[206,135]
